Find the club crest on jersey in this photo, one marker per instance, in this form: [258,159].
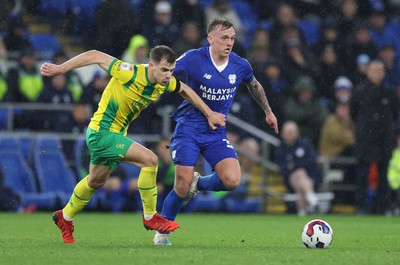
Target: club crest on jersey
[232,78]
[126,66]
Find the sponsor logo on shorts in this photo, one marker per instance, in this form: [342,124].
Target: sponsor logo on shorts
[120,146]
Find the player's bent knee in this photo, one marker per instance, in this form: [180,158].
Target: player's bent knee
[232,184]
[151,161]
[181,187]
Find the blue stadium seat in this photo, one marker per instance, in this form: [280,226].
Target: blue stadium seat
[252,205]
[53,8]
[249,18]
[53,172]
[79,151]
[206,202]
[19,177]
[47,44]
[3,119]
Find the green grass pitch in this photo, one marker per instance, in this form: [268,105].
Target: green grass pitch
[202,239]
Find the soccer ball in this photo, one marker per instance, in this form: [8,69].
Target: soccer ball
[317,234]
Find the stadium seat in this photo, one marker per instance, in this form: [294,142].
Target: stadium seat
[79,152]
[205,202]
[249,18]
[252,205]
[46,44]
[19,177]
[54,174]
[84,15]
[53,8]
[3,119]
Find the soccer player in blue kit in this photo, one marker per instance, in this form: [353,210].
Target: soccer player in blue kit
[214,73]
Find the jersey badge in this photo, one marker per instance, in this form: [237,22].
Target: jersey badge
[232,78]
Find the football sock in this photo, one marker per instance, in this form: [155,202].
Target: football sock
[79,198]
[148,190]
[211,182]
[172,205]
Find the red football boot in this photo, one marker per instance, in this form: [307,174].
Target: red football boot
[66,227]
[160,224]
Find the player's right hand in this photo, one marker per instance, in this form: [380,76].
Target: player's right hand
[49,69]
[216,118]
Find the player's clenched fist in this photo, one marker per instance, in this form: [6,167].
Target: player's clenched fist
[49,69]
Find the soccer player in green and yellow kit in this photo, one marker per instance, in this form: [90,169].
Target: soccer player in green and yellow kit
[131,89]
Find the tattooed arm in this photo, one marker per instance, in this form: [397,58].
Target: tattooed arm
[257,92]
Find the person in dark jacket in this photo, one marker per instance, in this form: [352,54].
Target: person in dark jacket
[375,109]
[297,160]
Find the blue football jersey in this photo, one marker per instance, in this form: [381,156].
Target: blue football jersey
[217,89]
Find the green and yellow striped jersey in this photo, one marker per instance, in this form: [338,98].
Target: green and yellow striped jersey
[126,95]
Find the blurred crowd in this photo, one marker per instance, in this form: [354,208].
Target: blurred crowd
[330,67]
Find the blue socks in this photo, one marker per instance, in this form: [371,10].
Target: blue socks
[211,182]
[172,205]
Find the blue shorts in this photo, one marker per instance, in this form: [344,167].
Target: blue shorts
[188,142]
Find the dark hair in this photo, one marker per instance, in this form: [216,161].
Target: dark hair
[223,22]
[162,52]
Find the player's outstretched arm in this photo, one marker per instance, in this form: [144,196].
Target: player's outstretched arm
[214,118]
[257,92]
[83,59]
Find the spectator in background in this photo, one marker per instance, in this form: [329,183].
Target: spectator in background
[330,69]
[15,39]
[305,109]
[137,51]
[251,149]
[113,29]
[161,28]
[375,109]
[190,11]
[24,81]
[92,92]
[275,87]
[387,54]
[222,9]
[3,87]
[383,31]
[76,122]
[348,18]
[259,52]
[24,85]
[360,44]
[358,75]
[329,36]
[56,93]
[342,89]
[297,160]
[338,132]
[190,38]
[3,50]
[284,19]
[297,61]
[74,82]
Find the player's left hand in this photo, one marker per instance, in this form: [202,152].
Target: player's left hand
[272,122]
[216,118]
[49,69]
